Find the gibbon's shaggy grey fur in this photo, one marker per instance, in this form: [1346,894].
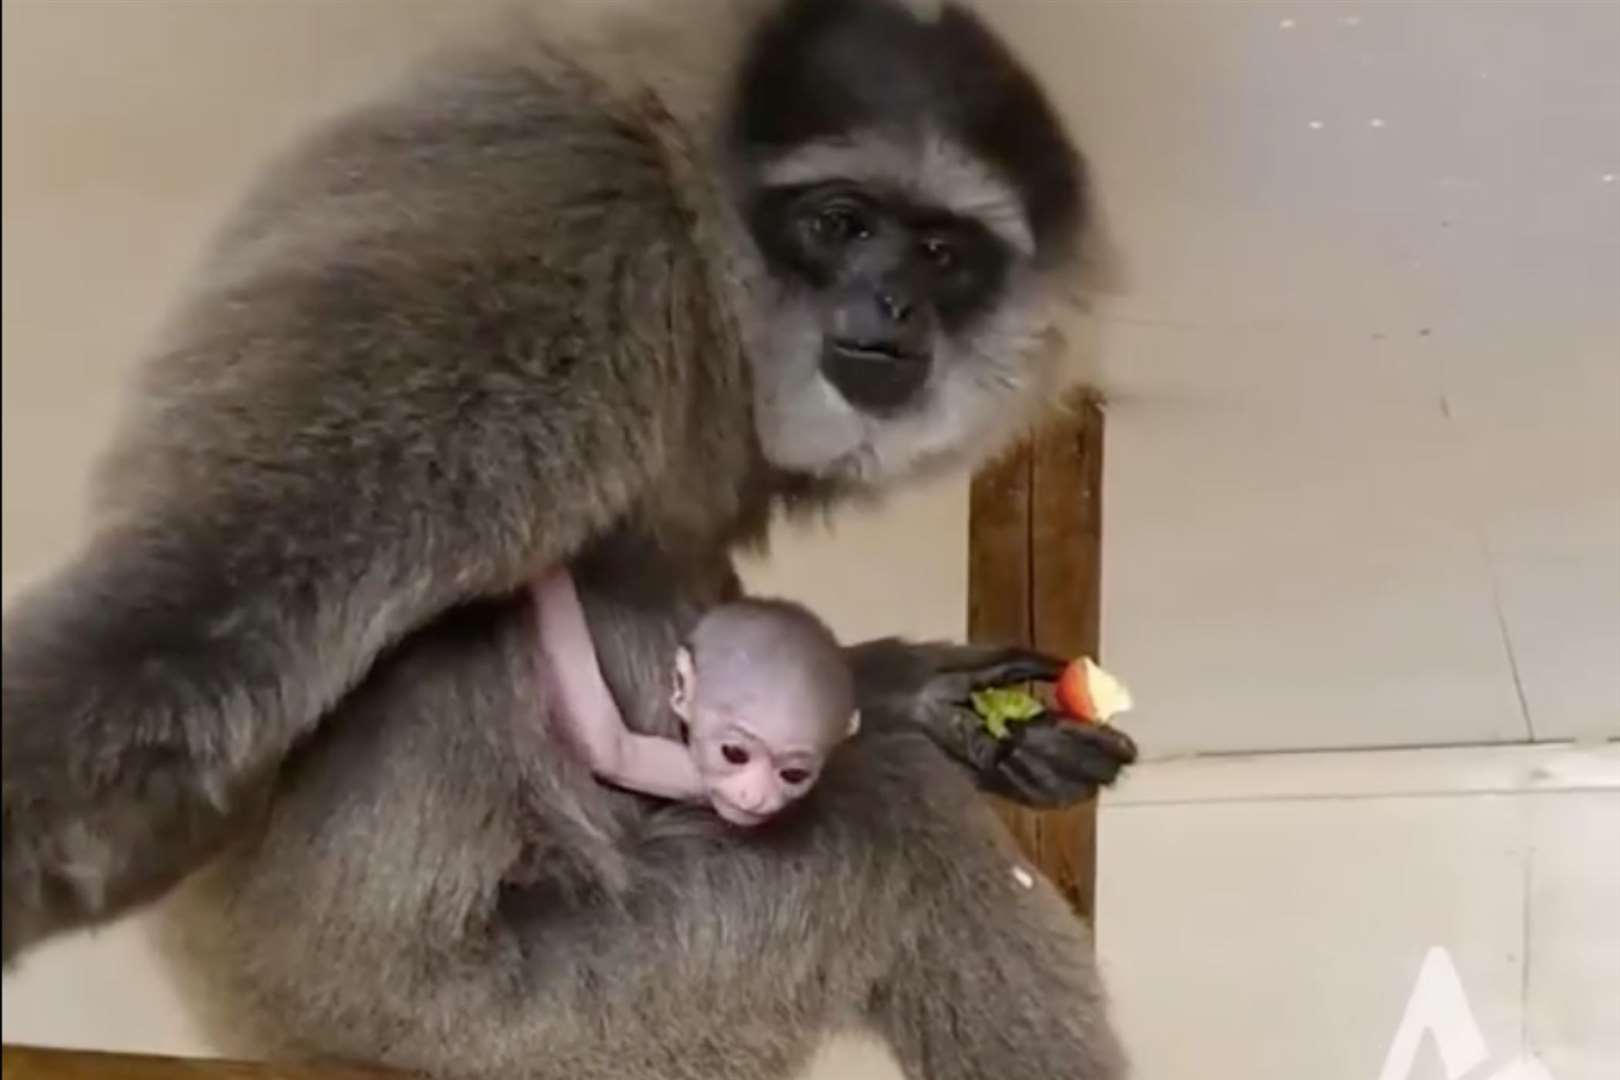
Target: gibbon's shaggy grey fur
[611,296]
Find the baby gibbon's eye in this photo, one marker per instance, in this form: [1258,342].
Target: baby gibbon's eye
[734,754]
[794,776]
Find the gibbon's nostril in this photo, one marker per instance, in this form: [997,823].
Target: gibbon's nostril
[896,306]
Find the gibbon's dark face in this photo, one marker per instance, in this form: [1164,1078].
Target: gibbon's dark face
[914,201]
[889,277]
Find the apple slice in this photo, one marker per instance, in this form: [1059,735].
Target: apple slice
[1089,693]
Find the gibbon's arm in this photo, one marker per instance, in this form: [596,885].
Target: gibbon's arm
[582,706]
[651,765]
[432,358]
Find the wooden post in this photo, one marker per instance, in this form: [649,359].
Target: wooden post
[1035,578]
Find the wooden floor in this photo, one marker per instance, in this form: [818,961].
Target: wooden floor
[37,1063]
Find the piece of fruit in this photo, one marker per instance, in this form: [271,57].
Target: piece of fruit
[1089,693]
[998,707]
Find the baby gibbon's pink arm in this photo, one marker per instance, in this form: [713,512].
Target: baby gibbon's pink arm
[583,707]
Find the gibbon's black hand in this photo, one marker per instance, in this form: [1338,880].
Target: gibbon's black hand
[1046,762]
[1049,762]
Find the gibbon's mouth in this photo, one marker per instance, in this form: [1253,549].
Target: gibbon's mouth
[877,377]
[736,815]
[871,350]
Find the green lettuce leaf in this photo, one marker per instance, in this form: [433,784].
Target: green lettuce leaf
[999,707]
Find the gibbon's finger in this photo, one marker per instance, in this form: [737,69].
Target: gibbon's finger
[1001,666]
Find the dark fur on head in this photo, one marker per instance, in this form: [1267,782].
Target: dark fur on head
[826,69]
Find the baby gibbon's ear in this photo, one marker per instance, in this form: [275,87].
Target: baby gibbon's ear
[680,696]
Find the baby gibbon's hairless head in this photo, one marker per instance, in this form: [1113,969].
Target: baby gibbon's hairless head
[766,694]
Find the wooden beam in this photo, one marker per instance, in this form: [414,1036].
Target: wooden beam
[999,571]
[39,1063]
[1035,578]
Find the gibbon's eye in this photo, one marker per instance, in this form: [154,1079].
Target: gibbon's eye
[794,776]
[734,754]
[838,224]
[941,253]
